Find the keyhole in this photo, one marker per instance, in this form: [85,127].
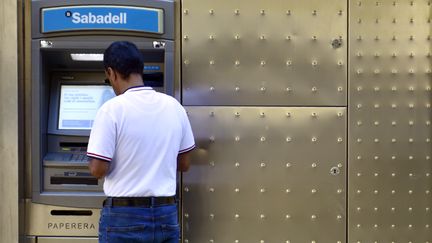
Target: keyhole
[334,171]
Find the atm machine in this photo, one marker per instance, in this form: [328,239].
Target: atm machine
[67,88]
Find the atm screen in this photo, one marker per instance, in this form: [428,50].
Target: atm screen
[80,103]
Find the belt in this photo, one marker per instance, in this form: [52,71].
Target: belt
[146,202]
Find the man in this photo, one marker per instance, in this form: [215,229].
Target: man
[138,140]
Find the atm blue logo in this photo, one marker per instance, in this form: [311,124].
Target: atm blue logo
[91,18]
[101,17]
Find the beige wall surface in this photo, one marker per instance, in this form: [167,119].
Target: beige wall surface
[8,122]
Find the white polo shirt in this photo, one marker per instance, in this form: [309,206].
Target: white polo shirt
[140,133]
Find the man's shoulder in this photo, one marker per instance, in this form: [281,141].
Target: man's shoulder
[169,99]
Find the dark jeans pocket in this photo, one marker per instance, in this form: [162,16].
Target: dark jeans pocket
[171,233]
[129,234]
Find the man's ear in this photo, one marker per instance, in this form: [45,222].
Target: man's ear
[111,73]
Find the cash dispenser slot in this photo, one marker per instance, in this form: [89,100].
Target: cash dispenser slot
[76,145]
[73,180]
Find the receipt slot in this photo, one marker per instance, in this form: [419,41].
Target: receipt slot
[67,86]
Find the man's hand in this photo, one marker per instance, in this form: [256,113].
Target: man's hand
[98,168]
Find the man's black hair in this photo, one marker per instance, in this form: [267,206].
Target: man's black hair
[124,57]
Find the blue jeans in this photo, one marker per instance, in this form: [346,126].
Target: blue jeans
[139,225]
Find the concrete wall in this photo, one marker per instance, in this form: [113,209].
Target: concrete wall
[9,218]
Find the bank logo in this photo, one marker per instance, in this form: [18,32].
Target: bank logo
[91,18]
[102,17]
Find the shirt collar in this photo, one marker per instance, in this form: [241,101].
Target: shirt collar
[137,88]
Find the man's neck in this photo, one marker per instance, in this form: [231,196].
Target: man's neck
[133,81]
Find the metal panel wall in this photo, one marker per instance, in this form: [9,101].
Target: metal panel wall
[262,173]
[274,52]
[390,97]
[265,174]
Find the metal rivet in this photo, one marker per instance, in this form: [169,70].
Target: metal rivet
[237,37]
[263,89]
[262,12]
[288,12]
[185,11]
[237,12]
[262,165]
[211,11]
[185,37]
[288,139]
[263,63]
[186,189]
[237,164]
[288,63]
[314,165]
[313,217]
[237,63]
[287,190]
[211,62]
[288,165]
[212,163]
[211,37]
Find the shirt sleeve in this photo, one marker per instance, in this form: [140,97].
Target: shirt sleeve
[188,141]
[102,137]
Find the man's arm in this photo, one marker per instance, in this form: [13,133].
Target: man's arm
[98,168]
[183,161]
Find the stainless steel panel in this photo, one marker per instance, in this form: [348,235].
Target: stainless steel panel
[66,240]
[41,220]
[389,124]
[264,174]
[275,52]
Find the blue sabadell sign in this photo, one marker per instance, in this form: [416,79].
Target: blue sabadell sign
[102,17]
